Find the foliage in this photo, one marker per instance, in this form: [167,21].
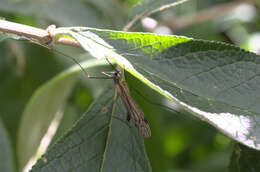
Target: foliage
[192,91]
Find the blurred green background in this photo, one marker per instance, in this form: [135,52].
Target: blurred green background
[179,142]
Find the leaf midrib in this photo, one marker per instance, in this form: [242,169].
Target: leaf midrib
[108,133]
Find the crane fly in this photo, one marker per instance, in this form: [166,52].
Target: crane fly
[134,112]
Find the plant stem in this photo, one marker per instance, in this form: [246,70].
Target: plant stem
[41,36]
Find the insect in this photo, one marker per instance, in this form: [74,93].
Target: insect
[134,112]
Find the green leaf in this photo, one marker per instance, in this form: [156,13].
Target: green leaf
[216,82]
[43,106]
[100,141]
[6,155]
[244,159]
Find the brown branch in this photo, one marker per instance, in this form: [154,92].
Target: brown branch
[148,12]
[40,36]
[133,21]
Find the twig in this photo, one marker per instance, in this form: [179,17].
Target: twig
[148,12]
[41,36]
[134,20]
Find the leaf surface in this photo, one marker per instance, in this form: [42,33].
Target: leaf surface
[100,141]
[214,81]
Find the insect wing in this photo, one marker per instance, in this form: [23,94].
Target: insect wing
[133,110]
[138,118]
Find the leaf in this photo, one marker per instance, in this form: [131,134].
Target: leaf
[214,81]
[244,159]
[43,106]
[67,13]
[100,141]
[152,6]
[6,155]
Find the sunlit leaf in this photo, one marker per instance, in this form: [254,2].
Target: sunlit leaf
[216,82]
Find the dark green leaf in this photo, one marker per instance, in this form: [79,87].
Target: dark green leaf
[244,159]
[100,141]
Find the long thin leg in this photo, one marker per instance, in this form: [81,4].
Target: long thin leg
[109,75]
[111,64]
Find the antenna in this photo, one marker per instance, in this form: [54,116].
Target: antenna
[74,60]
[81,67]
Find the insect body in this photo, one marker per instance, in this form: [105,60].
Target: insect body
[134,112]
